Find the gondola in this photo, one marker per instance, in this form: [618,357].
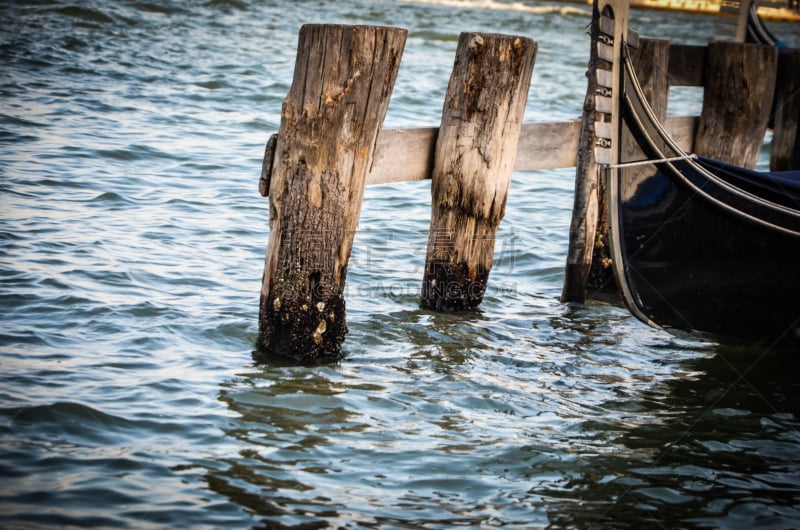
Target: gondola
[697,244]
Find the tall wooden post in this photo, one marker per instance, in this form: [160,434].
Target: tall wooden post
[739,85]
[473,162]
[330,121]
[785,153]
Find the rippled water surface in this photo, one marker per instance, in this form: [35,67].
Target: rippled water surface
[132,240]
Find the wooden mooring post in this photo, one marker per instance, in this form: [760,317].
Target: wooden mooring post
[586,207]
[473,162]
[737,99]
[330,121]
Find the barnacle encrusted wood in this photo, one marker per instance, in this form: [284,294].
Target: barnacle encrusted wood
[330,122]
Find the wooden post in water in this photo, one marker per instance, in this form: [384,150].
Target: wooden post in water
[473,162]
[739,85]
[330,121]
[785,153]
[587,255]
[585,208]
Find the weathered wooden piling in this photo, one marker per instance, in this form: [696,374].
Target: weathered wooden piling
[739,85]
[473,162]
[330,121]
[785,154]
[585,208]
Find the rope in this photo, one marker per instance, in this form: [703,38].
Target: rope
[645,162]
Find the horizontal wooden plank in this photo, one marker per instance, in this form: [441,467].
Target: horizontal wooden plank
[548,145]
[407,154]
[686,65]
[403,154]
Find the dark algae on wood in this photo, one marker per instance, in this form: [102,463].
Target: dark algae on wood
[330,122]
[473,162]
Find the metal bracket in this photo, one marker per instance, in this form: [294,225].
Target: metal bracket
[266,165]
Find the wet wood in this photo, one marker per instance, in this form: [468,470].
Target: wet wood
[330,121]
[473,162]
[686,65]
[585,209]
[739,85]
[785,153]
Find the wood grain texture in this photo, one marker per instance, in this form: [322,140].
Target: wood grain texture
[474,159]
[687,64]
[739,86]
[330,121]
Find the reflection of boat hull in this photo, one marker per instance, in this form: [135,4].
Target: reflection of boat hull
[698,244]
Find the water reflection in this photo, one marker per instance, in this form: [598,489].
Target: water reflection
[287,420]
[606,428]
[714,453]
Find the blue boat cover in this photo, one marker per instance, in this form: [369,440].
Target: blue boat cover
[781,187]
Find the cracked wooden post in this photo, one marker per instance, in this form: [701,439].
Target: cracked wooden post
[473,162]
[330,121]
[737,98]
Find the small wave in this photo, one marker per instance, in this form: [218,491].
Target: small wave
[429,35]
[83,13]
[136,152]
[67,418]
[110,197]
[163,8]
[6,119]
[228,4]
[212,85]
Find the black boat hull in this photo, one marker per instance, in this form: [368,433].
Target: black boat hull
[699,245]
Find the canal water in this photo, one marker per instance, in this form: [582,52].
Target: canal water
[132,240]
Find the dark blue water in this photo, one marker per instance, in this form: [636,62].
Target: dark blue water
[132,240]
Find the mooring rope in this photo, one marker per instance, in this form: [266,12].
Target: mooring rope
[657,161]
